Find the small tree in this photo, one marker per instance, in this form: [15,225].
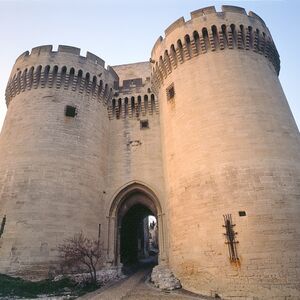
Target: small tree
[80,251]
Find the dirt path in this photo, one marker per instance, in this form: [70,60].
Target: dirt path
[135,287]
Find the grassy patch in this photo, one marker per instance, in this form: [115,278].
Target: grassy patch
[17,287]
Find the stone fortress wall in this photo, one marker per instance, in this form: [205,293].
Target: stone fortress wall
[203,128]
[231,150]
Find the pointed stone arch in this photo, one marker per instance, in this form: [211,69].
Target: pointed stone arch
[134,193]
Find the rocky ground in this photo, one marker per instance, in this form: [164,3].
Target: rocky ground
[140,283]
[139,287]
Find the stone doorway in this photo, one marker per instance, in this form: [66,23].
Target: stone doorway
[129,225]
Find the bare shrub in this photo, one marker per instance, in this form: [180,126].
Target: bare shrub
[81,253]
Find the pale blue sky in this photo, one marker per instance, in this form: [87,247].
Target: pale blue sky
[124,31]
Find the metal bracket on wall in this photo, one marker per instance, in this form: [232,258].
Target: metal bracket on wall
[231,238]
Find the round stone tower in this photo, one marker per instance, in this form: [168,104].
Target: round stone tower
[231,154]
[53,154]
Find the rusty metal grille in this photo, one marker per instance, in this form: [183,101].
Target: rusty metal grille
[231,238]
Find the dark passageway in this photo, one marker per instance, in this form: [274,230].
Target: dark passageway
[136,238]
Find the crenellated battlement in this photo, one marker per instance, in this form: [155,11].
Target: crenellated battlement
[210,12]
[211,31]
[62,50]
[63,69]
[133,106]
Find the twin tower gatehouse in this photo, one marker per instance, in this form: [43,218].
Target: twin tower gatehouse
[201,137]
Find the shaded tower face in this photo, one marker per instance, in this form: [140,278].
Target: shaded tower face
[231,157]
[53,154]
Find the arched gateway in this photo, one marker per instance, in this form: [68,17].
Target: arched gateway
[129,207]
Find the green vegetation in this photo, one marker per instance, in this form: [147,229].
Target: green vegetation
[17,287]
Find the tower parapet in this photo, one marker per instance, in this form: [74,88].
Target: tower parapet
[211,31]
[133,106]
[134,97]
[62,69]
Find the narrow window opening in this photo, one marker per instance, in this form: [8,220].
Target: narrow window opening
[71,76]
[105,94]
[46,73]
[79,78]
[152,103]
[167,60]
[242,34]
[30,76]
[180,48]
[224,32]
[196,39]
[24,77]
[54,73]
[119,112]
[87,80]
[100,88]
[126,106]
[257,39]
[146,103]
[37,75]
[132,105]
[233,30]
[139,108]
[113,106]
[94,84]
[215,34]
[205,37]
[173,54]
[250,36]
[188,43]
[63,74]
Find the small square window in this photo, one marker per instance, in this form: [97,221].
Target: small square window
[242,214]
[70,111]
[144,124]
[170,92]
